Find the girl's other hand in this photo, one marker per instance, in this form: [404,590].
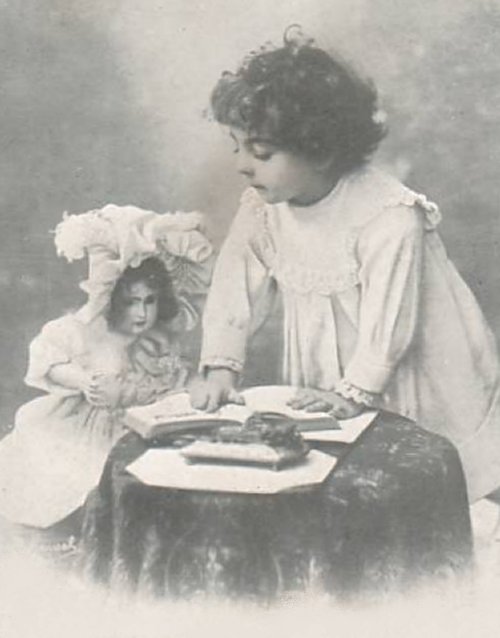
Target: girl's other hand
[216,389]
[312,400]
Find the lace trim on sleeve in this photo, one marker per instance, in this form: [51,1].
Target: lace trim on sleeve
[221,362]
[431,210]
[349,391]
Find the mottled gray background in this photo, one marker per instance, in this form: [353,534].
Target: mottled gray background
[103,101]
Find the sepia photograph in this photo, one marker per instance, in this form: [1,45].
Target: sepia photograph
[250,317]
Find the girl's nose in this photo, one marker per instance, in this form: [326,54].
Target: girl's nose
[244,165]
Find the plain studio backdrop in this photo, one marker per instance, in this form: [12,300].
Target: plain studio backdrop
[106,101]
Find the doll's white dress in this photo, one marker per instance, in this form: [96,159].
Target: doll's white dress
[371,301]
[56,452]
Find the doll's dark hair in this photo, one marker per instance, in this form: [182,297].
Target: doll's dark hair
[304,101]
[152,272]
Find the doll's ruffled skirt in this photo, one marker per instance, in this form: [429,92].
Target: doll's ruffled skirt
[53,458]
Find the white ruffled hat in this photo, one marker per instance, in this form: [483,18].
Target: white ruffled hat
[116,237]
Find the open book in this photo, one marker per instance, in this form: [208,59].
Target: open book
[173,414]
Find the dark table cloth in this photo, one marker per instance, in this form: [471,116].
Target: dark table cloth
[393,513]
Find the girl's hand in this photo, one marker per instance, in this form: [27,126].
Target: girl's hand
[216,389]
[312,400]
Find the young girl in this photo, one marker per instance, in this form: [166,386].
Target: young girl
[120,349]
[374,312]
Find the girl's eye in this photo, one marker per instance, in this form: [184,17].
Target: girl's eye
[262,152]
[150,300]
[263,156]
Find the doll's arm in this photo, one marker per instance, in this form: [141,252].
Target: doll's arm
[56,346]
[99,389]
[70,375]
[391,268]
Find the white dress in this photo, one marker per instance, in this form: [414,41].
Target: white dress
[371,301]
[56,452]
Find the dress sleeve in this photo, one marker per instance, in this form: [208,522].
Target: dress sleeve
[57,343]
[240,291]
[390,255]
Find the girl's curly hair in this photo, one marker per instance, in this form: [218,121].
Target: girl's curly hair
[152,272]
[305,101]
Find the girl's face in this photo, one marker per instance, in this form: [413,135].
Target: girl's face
[139,309]
[279,175]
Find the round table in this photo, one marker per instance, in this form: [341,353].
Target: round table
[392,514]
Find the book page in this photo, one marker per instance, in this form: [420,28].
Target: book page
[275,398]
[347,432]
[176,407]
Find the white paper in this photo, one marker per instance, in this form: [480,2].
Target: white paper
[349,431]
[168,468]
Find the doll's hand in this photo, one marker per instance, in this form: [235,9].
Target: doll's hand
[216,389]
[103,390]
[312,400]
[89,388]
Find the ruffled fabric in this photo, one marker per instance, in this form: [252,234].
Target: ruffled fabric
[432,214]
[350,391]
[303,280]
[298,277]
[384,190]
[155,366]
[116,237]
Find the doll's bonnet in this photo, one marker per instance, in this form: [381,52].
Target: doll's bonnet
[116,237]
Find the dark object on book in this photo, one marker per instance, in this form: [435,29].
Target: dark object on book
[264,440]
[165,433]
[174,414]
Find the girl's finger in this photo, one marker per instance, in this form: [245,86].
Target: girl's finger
[344,411]
[94,397]
[233,396]
[296,402]
[199,400]
[199,395]
[92,400]
[214,401]
[303,402]
[318,406]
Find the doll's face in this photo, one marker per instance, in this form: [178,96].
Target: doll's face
[278,175]
[139,309]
